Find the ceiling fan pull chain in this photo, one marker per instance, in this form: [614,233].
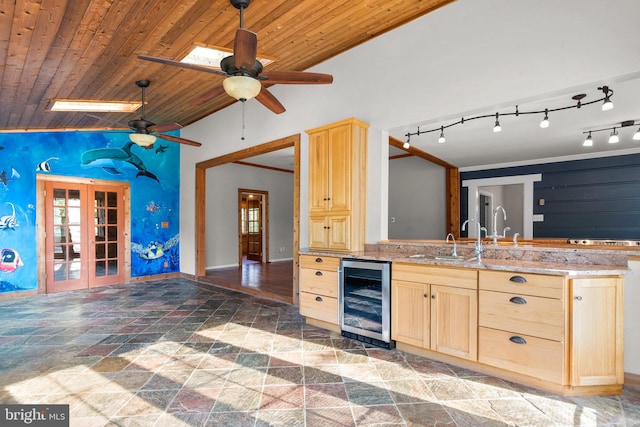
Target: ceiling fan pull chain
[242,138]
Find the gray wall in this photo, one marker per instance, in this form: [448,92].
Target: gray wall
[416,199]
[223,183]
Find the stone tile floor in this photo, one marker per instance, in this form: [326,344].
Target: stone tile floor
[180,353]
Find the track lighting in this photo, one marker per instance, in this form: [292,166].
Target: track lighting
[545,122]
[497,127]
[614,136]
[606,105]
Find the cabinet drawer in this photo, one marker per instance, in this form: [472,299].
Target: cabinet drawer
[456,277]
[538,358]
[523,314]
[319,282]
[522,283]
[319,307]
[320,262]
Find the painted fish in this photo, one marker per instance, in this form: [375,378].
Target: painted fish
[10,260]
[45,166]
[13,177]
[9,221]
[113,160]
[162,149]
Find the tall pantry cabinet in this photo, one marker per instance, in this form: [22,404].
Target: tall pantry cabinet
[337,186]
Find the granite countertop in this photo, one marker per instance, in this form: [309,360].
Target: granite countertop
[542,259]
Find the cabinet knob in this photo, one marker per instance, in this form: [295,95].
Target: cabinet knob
[318,259]
[433,296]
[319,299]
[518,300]
[517,340]
[578,298]
[426,295]
[518,279]
[318,273]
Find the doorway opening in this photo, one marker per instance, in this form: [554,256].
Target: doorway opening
[253,226]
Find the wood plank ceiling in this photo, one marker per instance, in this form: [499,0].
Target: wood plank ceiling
[86,49]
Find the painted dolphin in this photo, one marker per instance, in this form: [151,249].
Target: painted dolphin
[112,160]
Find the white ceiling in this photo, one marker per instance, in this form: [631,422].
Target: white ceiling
[474,58]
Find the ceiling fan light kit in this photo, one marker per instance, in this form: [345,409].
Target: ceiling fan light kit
[142,139]
[242,88]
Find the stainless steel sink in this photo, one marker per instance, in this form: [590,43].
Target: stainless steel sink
[443,257]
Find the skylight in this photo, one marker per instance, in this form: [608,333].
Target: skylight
[95,106]
[208,56]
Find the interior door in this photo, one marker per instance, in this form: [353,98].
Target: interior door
[254,225]
[84,242]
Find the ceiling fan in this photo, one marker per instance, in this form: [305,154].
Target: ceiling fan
[243,72]
[146,132]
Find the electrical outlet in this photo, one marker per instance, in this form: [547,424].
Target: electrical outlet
[166,264]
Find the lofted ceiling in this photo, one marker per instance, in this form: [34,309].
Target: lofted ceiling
[87,49]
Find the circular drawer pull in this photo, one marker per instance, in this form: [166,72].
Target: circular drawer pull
[318,273]
[518,300]
[318,259]
[517,340]
[319,299]
[518,279]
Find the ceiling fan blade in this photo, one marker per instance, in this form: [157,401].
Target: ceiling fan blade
[209,95]
[104,119]
[206,69]
[178,139]
[245,48]
[165,127]
[296,77]
[267,99]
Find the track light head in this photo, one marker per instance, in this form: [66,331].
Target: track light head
[545,122]
[497,127]
[613,137]
[607,104]
[441,139]
[588,142]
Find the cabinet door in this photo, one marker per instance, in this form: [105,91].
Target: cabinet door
[454,321]
[339,168]
[597,346]
[339,232]
[318,235]
[318,172]
[410,313]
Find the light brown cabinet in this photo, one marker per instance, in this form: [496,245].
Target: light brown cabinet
[319,288]
[435,308]
[563,331]
[337,186]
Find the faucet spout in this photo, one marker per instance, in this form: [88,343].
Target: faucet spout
[455,247]
[495,224]
[479,241]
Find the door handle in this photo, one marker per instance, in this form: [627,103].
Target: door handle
[518,300]
[518,279]
[318,273]
[319,299]
[517,340]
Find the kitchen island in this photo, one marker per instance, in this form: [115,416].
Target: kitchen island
[548,315]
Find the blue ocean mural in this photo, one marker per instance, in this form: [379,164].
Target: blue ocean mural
[153,174]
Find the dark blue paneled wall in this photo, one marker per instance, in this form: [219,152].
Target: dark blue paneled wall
[595,198]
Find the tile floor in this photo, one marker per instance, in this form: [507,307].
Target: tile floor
[181,353]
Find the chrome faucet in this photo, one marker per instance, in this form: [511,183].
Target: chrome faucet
[495,234]
[478,249]
[455,247]
[515,239]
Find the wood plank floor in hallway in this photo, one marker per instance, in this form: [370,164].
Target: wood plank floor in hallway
[273,280]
